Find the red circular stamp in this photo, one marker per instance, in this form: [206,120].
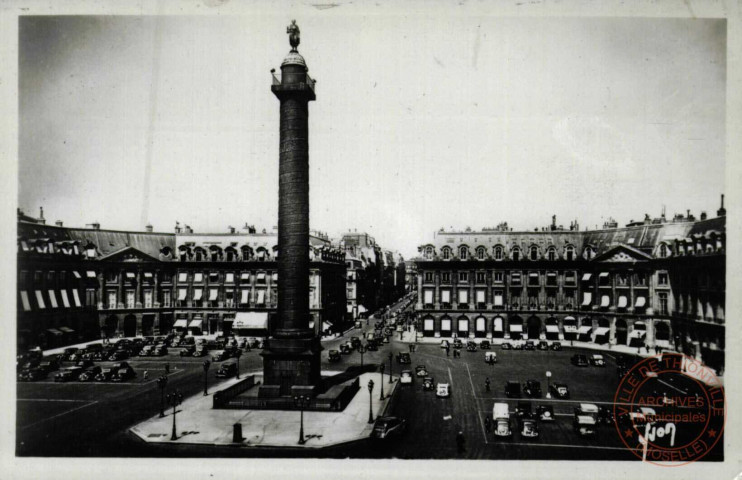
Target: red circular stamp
[669,409]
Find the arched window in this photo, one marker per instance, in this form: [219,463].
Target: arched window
[246,253]
[200,254]
[481,251]
[446,251]
[498,252]
[569,252]
[216,253]
[231,254]
[534,252]
[664,252]
[463,252]
[185,253]
[429,252]
[588,253]
[516,253]
[551,254]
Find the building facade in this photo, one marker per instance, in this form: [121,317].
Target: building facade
[77,284]
[657,283]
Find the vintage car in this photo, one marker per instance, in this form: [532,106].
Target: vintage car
[484,345]
[123,373]
[605,415]
[89,374]
[556,346]
[68,374]
[428,383]
[334,356]
[443,390]
[471,346]
[579,360]
[386,427]
[227,370]
[403,358]
[532,388]
[490,357]
[506,346]
[187,351]
[501,419]
[585,419]
[529,345]
[457,343]
[597,360]
[543,345]
[105,374]
[523,408]
[545,413]
[528,426]
[559,390]
[512,389]
[421,371]
[406,377]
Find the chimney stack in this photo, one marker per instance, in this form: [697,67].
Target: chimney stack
[231,229]
[177,227]
[93,226]
[148,228]
[703,215]
[58,223]
[41,216]
[721,211]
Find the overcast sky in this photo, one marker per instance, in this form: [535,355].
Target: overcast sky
[420,122]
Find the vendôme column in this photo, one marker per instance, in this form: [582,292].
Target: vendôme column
[291,360]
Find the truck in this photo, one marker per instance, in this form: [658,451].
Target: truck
[501,419]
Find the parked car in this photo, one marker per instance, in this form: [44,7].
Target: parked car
[484,344]
[123,373]
[445,344]
[406,377]
[528,426]
[188,351]
[49,365]
[219,355]
[579,360]
[105,374]
[403,358]
[529,345]
[532,388]
[605,415]
[89,374]
[471,346]
[160,350]
[428,383]
[83,363]
[372,346]
[559,390]
[457,343]
[545,413]
[68,374]
[334,356]
[33,374]
[227,370]
[386,427]
[556,346]
[506,346]
[421,371]
[355,342]
[345,349]
[443,390]
[523,407]
[585,419]
[512,389]
[597,360]
[68,352]
[543,345]
[501,419]
[118,355]
[149,340]
[490,357]
[147,351]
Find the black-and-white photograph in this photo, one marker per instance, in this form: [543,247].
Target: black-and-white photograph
[317,234]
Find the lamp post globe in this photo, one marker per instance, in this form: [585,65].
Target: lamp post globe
[370,401]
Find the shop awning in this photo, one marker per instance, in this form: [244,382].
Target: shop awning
[587,298]
[601,331]
[196,323]
[640,302]
[91,274]
[180,323]
[213,293]
[261,297]
[77,274]
[586,277]
[53,299]
[585,329]
[182,292]
[605,301]
[40,300]
[54,331]
[65,299]
[622,301]
[244,296]
[251,320]
[197,293]
[552,328]
[516,327]
[66,330]
[25,302]
[76,297]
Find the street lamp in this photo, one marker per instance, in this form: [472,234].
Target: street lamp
[174,399]
[381,383]
[238,354]
[370,401]
[548,391]
[207,364]
[391,355]
[301,401]
[162,383]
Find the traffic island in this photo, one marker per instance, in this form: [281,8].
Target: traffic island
[198,422]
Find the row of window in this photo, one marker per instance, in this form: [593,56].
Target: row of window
[690,247]
[516,253]
[534,278]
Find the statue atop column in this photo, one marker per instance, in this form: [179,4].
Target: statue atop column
[293,31]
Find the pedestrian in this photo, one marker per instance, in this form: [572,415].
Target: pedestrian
[146,374]
[167,368]
[410,346]
[487,384]
[460,442]
[487,424]
[448,350]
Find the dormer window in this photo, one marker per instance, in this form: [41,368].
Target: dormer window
[246,253]
[534,253]
[498,252]
[463,253]
[569,252]
[481,251]
[588,253]
[446,251]
[429,251]
[516,253]
[551,254]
